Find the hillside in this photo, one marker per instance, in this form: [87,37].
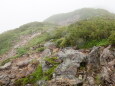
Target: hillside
[81,14]
[9,38]
[46,54]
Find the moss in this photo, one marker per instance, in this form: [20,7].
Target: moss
[49,72]
[52,60]
[39,74]
[31,79]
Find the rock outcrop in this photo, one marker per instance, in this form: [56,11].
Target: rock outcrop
[75,67]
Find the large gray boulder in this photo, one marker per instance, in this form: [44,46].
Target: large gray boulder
[68,68]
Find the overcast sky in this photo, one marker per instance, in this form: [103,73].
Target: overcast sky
[14,13]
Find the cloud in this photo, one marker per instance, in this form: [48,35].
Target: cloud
[14,13]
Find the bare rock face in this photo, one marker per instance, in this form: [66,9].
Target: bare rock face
[94,57]
[68,68]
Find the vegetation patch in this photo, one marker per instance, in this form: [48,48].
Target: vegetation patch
[38,74]
[96,31]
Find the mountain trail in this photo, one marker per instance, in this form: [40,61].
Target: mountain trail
[23,41]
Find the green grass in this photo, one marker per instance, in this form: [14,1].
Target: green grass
[98,31]
[31,79]
[21,51]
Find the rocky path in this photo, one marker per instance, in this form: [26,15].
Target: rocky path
[23,41]
[18,68]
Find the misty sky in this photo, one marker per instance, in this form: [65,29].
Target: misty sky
[14,13]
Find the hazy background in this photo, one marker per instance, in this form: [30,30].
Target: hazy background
[14,13]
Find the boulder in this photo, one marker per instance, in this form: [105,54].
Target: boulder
[71,61]
[6,66]
[66,71]
[94,58]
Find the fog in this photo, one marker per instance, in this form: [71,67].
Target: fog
[14,13]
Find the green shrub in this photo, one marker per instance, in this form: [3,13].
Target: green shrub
[88,33]
[112,38]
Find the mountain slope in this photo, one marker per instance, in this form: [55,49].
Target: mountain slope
[44,54]
[81,14]
[9,38]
